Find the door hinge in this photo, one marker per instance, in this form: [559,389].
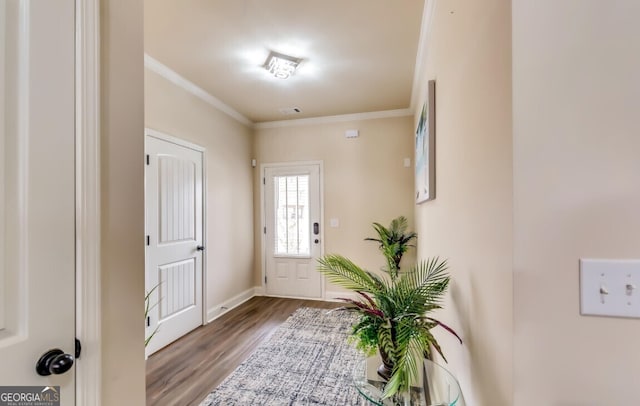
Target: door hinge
[264,230]
[148,321]
[265,279]
[148,240]
[78,349]
[264,181]
[147,159]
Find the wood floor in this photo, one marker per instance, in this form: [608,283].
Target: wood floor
[183,373]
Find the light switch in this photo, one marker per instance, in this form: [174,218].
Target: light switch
[609,287]
[335,223]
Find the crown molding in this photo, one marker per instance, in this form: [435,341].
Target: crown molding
[421,59]
[421,55]
[334,119]
[155,66]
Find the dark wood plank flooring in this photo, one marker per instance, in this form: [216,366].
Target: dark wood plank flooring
[183,373]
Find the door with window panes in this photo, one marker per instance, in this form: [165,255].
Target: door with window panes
[292,231]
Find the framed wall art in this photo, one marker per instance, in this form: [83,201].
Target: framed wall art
[425,157]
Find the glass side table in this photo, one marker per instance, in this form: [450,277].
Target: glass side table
[435,386]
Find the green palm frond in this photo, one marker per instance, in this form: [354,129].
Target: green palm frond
[421,289]
[428,275]
[345,273]
[429,341]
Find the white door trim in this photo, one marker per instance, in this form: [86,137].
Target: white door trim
[179,141]
[175,140]
[263,242]
[88,287]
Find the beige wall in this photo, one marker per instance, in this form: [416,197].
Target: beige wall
[122,203]
[229,176]
[576,175]
[470,221]
[364,179]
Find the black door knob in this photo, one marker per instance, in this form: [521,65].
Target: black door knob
[200,248]
[54,362]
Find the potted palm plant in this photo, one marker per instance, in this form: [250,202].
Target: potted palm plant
[393,307]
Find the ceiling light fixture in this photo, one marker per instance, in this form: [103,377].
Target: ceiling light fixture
[280,65]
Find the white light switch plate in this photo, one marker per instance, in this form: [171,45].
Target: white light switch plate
[610,287]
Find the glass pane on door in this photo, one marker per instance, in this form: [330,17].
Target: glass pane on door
[292,215]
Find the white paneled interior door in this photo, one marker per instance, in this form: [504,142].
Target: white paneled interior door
[174,252]
[37,195]
[292,230]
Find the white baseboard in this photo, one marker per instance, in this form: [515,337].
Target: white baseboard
[221,308]
[318,299]
[332,296]
[329,296]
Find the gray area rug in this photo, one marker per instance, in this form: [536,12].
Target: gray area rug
[307,361]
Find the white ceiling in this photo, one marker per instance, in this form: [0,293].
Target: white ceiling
[359,55]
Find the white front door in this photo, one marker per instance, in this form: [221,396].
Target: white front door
[292,231]
[37,201]
[175,245]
